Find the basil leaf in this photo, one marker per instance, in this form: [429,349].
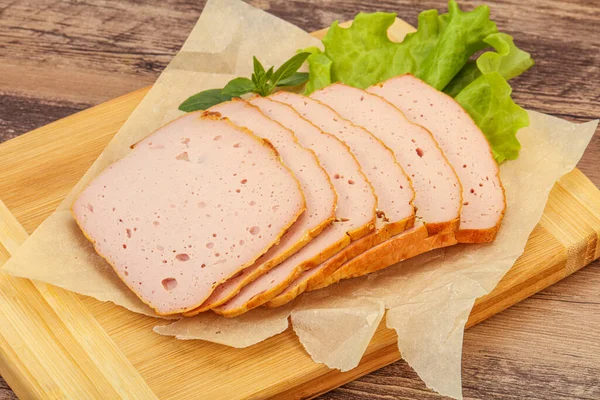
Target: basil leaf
[238,86]
[259,70]
[297,79]
[268,74]
[204,100]
[289,67]
[311,50]
[262,83]
[265,78]
[263,88]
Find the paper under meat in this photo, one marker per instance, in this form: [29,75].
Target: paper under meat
[428,298]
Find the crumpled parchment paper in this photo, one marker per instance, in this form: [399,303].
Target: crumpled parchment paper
[428,299]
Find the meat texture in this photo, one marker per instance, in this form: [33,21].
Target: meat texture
[436,185]
[193,204]
[465,146]
[316,185]
[355,213]
[393,188]
[437,188]
[299,194]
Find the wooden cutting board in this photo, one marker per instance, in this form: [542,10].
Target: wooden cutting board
[56,344]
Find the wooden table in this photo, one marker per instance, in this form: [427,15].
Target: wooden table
[59,57]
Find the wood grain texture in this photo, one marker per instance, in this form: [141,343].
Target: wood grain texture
[59,57]
[58,335]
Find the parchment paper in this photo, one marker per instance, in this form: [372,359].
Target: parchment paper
[428,298]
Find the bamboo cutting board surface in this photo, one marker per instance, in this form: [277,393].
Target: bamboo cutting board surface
[56,344]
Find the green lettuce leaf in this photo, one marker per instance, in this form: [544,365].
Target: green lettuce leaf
[487,100]
[363,55]
[443,44]
[508,60]
[320,72]
[482,89]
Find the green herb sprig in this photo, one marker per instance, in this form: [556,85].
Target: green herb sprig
[262,82]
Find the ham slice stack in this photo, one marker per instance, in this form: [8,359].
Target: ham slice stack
[465,146]
[257,201]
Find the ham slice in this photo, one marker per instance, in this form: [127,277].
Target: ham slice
[469,153]
[394,190]
[465,146]
[267,286]
[402,247]
[398,248]
[355,213]
[408,244]
[193,204]
[316,185]
[307,282]
[437,188]
[357,201]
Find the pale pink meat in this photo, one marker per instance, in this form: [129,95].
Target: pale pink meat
[437,188]
[282,272]
[356,198]
[316,185]
[192,204]
[355,213]
[394,190]
[462,141]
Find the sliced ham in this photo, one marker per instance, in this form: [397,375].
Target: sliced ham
[357,201]
[401,247]
[394,191]
[307,282]
[469,153]
[267,286]
[192,205]
[355,213]
[316,185]
[465,146]
[437,188]
[393,188]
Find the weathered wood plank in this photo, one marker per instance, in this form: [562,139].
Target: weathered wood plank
[90,52]
[24,114]
[5,392]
